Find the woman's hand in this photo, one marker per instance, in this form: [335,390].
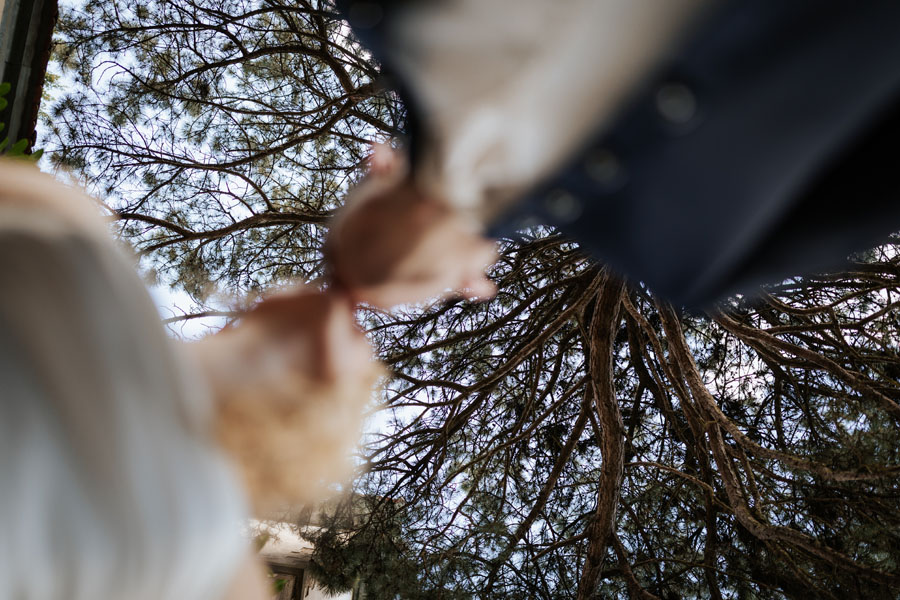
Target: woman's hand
[302,333]
[291,381]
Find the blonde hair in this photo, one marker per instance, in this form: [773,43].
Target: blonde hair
[109,484]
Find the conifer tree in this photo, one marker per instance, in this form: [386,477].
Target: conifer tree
[576,437]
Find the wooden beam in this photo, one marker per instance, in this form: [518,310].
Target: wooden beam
[26,32]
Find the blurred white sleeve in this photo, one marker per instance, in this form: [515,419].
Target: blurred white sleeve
[509,89]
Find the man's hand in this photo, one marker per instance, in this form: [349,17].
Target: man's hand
[393,244]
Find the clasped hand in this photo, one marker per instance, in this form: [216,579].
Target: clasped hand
[293,375]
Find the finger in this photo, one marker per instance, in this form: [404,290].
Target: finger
[383,159]
[358,363]
[346,332]
[476,284]
[286,307]
[484,253]
[479,288]
[335,337]
[389,296]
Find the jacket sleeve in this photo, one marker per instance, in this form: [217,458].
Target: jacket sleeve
[761,150]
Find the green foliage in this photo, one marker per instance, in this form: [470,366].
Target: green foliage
[18,149]
[377,555]
[278,584]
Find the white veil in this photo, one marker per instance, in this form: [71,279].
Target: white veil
[109,485]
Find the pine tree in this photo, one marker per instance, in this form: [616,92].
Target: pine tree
[222,135]
[576,437]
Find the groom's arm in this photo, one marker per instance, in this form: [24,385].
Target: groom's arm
[728,157]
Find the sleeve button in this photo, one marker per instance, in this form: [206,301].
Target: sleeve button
[603,167]
[562,206]
[676,103]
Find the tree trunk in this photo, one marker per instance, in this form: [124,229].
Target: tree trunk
[601,333]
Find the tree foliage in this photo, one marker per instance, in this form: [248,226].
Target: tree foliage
[222,134]
[575,437]
[580,438]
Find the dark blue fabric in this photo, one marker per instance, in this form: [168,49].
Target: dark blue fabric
[785,165]
[371,21]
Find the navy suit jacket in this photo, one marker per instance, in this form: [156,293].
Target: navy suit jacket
[767,147]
